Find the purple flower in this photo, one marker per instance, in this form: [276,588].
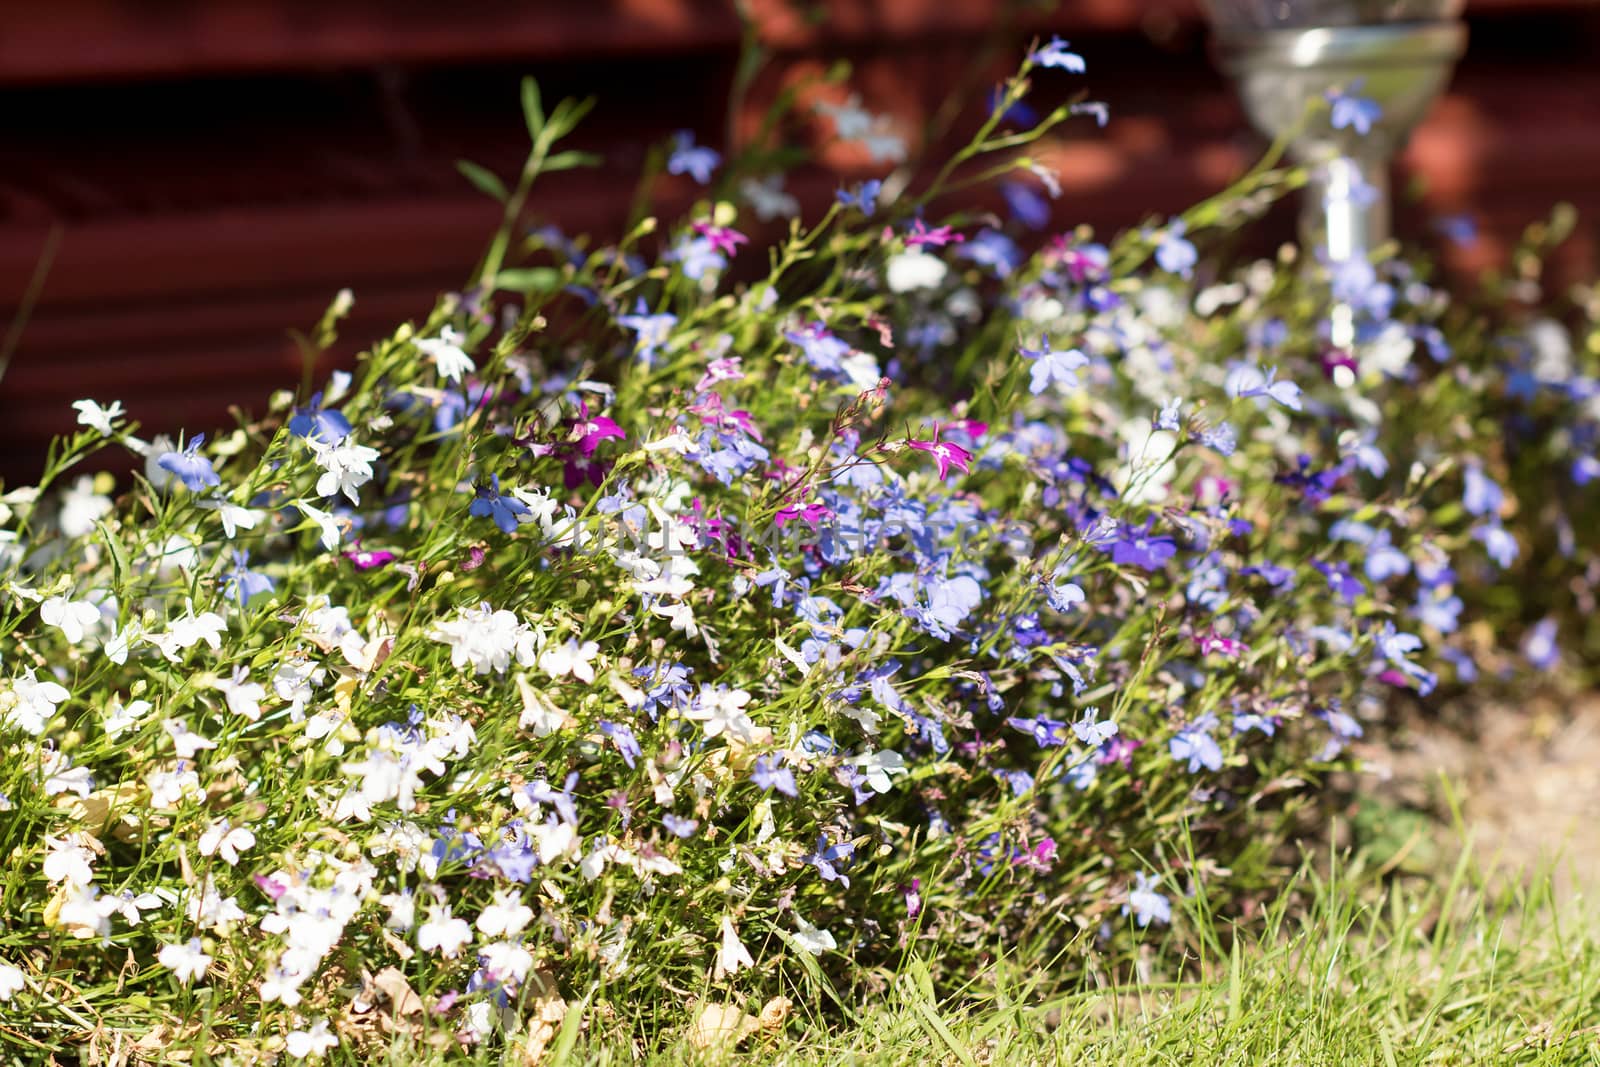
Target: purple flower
[190,468]
[769,773]
[1055,54]
[1176,254]
[505,510]
[1047,733]
[691,159]
[369,559]
[623,738]
[827,859]
[1195,744]
[1145,903]
[1051,367]
[1138,548]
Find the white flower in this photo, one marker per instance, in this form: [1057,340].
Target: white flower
[570,658]
[67,861]
[312,1042]
[915,269]
[188,962]
[487,639]
[72,617]
[35,704]
[402,910]
[189,630]
[81,507]
[722,711]
[243,696]
[129,905]
[282,985]
[768,198]
[812,939]
[732,955]
[443,932]
[122,641]
[226,840]
[95,417]
[119,719]
[10,981]
[80,912]
[63,777]
[234,518]
[328,527]
[185,740]
[506,960]
[447,355]
[154,473]
[878,767]
[506,915]
[346,467]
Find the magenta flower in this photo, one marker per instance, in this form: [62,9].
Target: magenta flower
[945,454]
[722,238]
[590,432]
[941,235]
[370,559]
[812,513]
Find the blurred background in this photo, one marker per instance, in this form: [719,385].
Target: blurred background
[202,176]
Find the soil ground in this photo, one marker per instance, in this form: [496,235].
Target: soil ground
[1526,780]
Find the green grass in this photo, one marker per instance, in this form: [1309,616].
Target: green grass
[1342,968]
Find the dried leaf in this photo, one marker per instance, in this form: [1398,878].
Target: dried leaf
[721,1026]
[775,1013]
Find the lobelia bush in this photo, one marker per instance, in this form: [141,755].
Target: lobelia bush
[624,629]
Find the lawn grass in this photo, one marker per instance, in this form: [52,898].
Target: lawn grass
[1344,967]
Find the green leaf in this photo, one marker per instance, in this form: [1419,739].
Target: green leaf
[119,560]
[569,159]
[532,108]
[483,179]
[529,279]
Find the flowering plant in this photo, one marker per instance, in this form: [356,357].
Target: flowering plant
[623,627]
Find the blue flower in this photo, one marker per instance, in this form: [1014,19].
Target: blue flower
[505,510]
[1055,54]
[1195,744]
[622,737]
[1026,205]
[1246,380]
[1539,646]
[1480,494]
[323,425]
[1353,112]
[678,826]
[1091,731]
[769,773]
[1501,546]
[1051,367]
[691,159]
[1176,254]
[864,196]
[190,468]
[1145,903]
[247,583]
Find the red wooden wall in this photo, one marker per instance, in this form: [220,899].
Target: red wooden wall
[214,170]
